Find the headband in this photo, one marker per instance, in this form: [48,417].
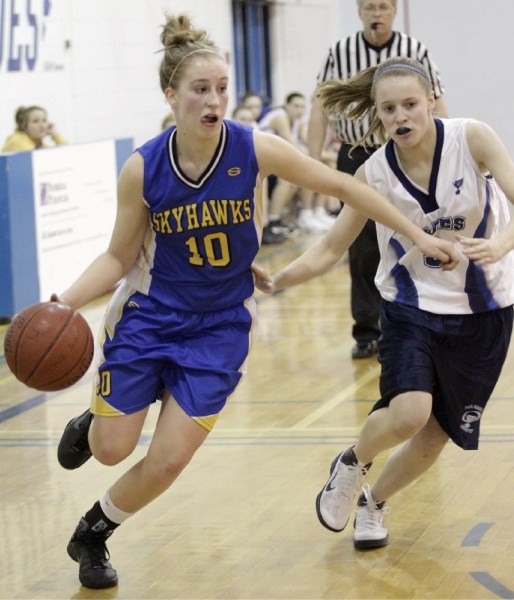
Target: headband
[187,56]
[379,72]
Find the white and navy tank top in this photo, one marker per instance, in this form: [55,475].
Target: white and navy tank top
[460,200]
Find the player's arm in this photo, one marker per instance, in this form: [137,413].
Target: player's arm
[490,155]
[319,258]
[280,158]
[126,240]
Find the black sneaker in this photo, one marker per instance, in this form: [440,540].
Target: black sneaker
[88,548]
[366,350]
[73,450]
[272,236]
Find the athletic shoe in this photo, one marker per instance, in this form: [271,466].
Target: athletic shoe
[369,522]
[334,502]
[281,226]
[366,350]
[88,548]
[309,222]
[270,236]
[323,217]
[73,450]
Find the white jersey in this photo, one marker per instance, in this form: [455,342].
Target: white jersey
[266,124]
[461,200]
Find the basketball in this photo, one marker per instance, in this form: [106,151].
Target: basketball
[48,346]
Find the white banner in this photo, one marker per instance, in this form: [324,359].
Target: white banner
[75,208]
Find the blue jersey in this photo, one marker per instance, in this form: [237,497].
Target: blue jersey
[202,235]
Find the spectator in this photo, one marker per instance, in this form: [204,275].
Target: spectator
[32,129]
[287,122]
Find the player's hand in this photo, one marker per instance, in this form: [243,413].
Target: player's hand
[442,250]
[262,279]
[482,251]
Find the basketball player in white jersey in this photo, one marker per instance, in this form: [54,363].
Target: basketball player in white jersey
[445,335]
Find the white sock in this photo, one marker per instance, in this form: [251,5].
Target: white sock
[320,211]
[113,513]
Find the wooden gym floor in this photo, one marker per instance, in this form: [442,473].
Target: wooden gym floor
[240,522]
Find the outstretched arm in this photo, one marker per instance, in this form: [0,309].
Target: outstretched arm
[491,156]
[282,159]
[319,258]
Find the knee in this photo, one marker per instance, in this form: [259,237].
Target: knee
[407,425]
[110,453]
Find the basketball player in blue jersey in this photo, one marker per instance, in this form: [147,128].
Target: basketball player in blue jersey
[445,334]
[188,226]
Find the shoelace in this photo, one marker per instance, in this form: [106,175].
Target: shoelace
[371,517]
[369,514]
[97,551]
[346,485]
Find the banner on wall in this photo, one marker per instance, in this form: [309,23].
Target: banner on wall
[30,36]
[75,208]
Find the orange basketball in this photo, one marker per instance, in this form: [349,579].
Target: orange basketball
[48,346]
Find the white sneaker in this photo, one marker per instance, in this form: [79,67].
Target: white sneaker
[309,222]
[369,522]
[334,502]
[323,217]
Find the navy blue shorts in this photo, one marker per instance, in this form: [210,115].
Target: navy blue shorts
[146,347]
[456,358]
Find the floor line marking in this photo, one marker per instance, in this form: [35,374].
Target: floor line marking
[343,396]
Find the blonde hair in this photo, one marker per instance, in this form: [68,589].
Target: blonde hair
[181,41]
[355,98]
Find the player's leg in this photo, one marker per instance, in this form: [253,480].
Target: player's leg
[176,438]
[282,194]
[383,429]
[408,462]
[397,416]
[363,258]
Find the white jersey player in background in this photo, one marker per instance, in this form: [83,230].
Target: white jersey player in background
[445,334]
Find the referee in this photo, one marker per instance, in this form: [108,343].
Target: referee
[371,46]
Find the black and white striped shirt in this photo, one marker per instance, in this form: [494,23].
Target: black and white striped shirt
[353,54]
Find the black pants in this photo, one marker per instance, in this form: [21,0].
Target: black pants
[364,257]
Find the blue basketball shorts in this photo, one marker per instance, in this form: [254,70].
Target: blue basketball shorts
[455,358]
[146,347]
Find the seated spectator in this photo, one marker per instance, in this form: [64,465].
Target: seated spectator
[287,122]
[32,127]
[254,102]
[244,115]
